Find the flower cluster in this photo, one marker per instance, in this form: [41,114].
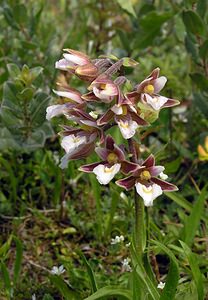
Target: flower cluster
[111,100]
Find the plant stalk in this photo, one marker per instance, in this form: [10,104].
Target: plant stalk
[139,223]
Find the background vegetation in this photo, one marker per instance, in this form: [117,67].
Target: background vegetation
[50,217]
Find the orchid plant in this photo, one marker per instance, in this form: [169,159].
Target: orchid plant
[130,107]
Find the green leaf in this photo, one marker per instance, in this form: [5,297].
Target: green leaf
[200,100]
[196,273]
[180,200]
[151,24]
[203,50]
[8,15]
[47,297]
[90,273]
[5,247]
[200,80]
[18,259]
[172,278]
[64,289]
[20,14]
[143,276]
[14,70]
[37,108]
[6,279]
[202,7]
[127,6]
[111,291]
[193,22]
[193,220]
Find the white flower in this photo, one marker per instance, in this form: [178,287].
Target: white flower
[105,174]
[128,244]
[55,110]
[58,270]
[125,265]
[117,240]
[33,297]
[155,101]
[72,142]
[148,194]
[163,176]
[161,285]
[127,128]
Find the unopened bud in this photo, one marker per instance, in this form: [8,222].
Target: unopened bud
[87,72]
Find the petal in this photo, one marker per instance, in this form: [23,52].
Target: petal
[102,152]
[72,142]
[90,97]
[109,143]
[135,117]
[117,109]
[166,186]
[126,183]
[63,64]
[149,162]
[156,101]
[108,115]
[128,167]
[159,84]
[55,110]
[148,193]
[170,103]
[105,174]
[127,128]
[156,170]
[70,94]
[89,168]
[76,59]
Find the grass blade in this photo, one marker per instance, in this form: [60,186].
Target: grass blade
[173,274]
[193,221]
[18,259]
[197,276]
[143,276]
[64,289]
[6,280]
[90,273]
[110,291]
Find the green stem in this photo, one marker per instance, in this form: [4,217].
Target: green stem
[139,224]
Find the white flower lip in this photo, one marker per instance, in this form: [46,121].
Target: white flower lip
[72,142]
[155,101]
[148,194]
[105,174]
[127,128]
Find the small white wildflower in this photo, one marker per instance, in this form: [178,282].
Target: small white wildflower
[117,240]
[58,270]
[125,265]
[128,245]
[161,285]
[33,297]
[163,176]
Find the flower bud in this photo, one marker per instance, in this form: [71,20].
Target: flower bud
[87,72]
